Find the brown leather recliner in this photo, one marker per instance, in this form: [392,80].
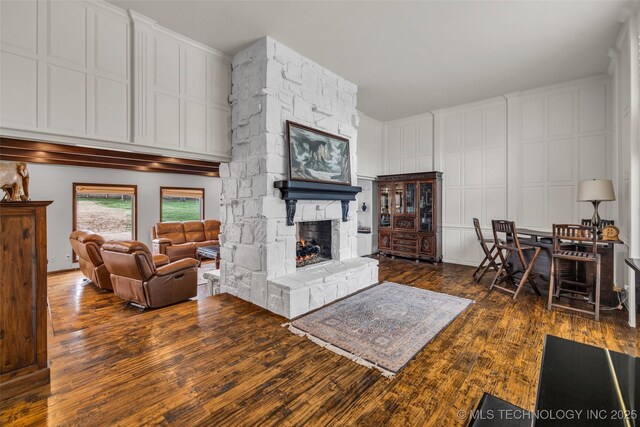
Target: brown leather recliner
[180,240]
[87,246]
[136,279]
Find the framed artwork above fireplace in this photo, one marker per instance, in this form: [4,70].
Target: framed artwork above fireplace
[317,156]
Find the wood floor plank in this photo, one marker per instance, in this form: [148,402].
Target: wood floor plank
[223,361]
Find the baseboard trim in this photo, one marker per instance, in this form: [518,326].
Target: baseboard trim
[66,270]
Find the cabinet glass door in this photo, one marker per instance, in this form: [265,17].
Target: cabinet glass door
[399,198]
[411,198]
[426,206]
[385,213]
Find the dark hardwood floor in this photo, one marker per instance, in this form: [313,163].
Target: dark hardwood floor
[222,361]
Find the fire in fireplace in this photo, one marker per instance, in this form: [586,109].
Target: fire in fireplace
[306,252]
[314,242]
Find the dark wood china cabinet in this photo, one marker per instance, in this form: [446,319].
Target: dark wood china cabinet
[410,215]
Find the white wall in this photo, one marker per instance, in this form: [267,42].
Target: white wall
[88,72]
[367,243]
[472,151]
[409,144]
[370,147]
[51,182]
[365,218]
[371,163]
[558,136]
[625,151]
[518,156]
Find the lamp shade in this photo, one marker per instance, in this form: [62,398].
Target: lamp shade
[595,189]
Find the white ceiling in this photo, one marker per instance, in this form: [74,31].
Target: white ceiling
[412,57]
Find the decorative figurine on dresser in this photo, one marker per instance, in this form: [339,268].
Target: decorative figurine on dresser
[410,215]
[14,181]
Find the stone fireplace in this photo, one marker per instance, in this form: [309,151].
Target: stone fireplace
[270,85]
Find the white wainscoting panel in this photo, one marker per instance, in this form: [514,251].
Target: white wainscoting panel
[409,144]
[218,129]
[184,104]
[593,108]
[166,66]
[111,37]
[220,79]
[452,206]
[19,63]
[166,120]
[195,74]
[19,25]
[66,100]
[516,157]
[111,119]
[561,114]
[195,126]
[67,32]
[19,100]
[472,141]
[394,148]
[66,76]
[65,69]
[558,136]
[370,148]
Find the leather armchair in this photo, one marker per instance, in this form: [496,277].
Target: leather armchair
[137,279]
[87,246]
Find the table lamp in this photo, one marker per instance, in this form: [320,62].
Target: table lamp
[595,191]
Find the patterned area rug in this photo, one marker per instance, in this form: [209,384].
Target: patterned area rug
[382,327]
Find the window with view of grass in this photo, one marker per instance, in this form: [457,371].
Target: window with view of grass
[181,204]
[109,210]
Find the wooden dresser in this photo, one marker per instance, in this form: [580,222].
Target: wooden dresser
[410,215]
[23,297]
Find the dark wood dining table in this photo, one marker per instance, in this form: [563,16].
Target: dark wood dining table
[542,267]
[538,235]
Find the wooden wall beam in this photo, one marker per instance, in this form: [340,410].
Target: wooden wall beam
[71,155]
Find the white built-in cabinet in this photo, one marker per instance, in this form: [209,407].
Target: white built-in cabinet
[86,72]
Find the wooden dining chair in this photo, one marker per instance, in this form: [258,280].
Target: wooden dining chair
[489,260]
[584,237]
[603,222]
[518,272]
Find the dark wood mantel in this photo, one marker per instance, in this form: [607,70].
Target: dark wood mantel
[292,191]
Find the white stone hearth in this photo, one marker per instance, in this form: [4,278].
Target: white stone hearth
[272,84]
[317,285]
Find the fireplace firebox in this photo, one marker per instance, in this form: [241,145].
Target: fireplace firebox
[313,242]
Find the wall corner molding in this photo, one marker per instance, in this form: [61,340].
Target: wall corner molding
[138,18]
[613,58]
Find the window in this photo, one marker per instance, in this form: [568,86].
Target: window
[109,210]
[181,204]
